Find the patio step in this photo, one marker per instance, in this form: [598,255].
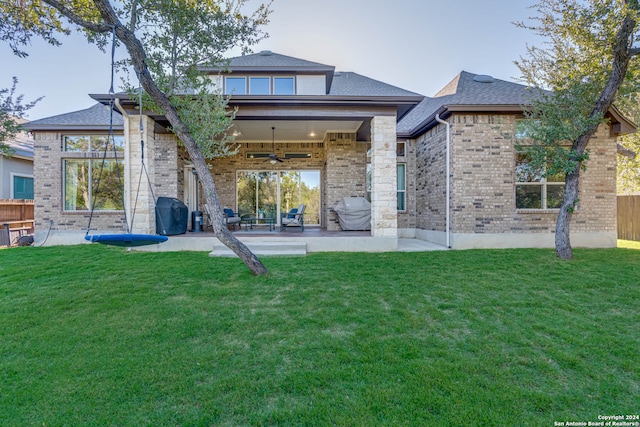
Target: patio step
[264,249]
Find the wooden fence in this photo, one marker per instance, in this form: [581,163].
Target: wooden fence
[629,218]
[16,220]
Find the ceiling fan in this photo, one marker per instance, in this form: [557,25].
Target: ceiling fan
[273,157]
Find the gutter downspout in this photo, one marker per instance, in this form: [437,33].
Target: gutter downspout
[448,179]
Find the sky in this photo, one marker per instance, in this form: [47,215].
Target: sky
[417,45]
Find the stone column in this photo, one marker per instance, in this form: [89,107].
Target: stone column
[142,211]
[384,214]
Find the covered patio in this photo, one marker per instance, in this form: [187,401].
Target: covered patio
[314,239]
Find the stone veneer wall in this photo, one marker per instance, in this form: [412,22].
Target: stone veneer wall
[384,211]
[48,182]
[161,160]
[483,183]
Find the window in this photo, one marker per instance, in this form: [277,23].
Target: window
[235,86]
[81,177]
[92,143]
[263,85]
[284,86]
[533,189]
[401,174]
[402,185]
[400,149]
[259,85]
[81,174]
[22,187]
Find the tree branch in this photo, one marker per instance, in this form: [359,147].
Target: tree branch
[138,56]
[623,151]
[634,51]
[67,13]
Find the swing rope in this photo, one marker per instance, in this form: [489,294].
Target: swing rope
[127,239]
[110,139]
[144,166]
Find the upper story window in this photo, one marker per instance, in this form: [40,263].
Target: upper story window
[87,143]
[235,85]
[284,86]
[260,85]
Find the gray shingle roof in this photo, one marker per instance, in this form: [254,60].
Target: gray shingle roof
[340,83]
[352,84]
[96,117]
[464,89]
[21,145]
[268,59]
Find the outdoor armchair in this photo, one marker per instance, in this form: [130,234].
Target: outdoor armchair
[293,218]
[231,219]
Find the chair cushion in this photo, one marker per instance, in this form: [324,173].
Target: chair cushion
[292,213]
[228,212]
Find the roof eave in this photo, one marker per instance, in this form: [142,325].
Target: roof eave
[269,69]
[446,110]
[404,104]
[20,156]
[55,127]
[620,124]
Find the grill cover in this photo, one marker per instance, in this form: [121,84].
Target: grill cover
[354,213]
[171,216]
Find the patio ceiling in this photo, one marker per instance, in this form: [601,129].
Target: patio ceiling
[291,130]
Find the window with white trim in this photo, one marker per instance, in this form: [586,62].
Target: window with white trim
[401,172]
[22,186]
[260,85]
[284,86]
[534,190]
[401,183]
[87,182]
[235,85]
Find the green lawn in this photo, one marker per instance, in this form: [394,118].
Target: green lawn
[92,335]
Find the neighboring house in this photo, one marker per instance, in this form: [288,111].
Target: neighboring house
[16,168]
[340,134]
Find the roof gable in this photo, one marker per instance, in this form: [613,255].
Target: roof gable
[466,91]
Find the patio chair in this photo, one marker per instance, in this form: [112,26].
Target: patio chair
[231,219]
[294,218]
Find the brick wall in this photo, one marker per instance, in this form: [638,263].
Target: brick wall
[48,182]
[430,180]
[483,175]
[483,181]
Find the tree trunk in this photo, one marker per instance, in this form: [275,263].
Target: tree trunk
[138,57]
[563,224]
[622,53]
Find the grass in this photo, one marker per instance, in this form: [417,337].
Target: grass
[93,335]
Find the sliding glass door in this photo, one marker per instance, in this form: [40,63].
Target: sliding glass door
[269,193]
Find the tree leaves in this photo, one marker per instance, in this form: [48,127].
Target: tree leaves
[12,107]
